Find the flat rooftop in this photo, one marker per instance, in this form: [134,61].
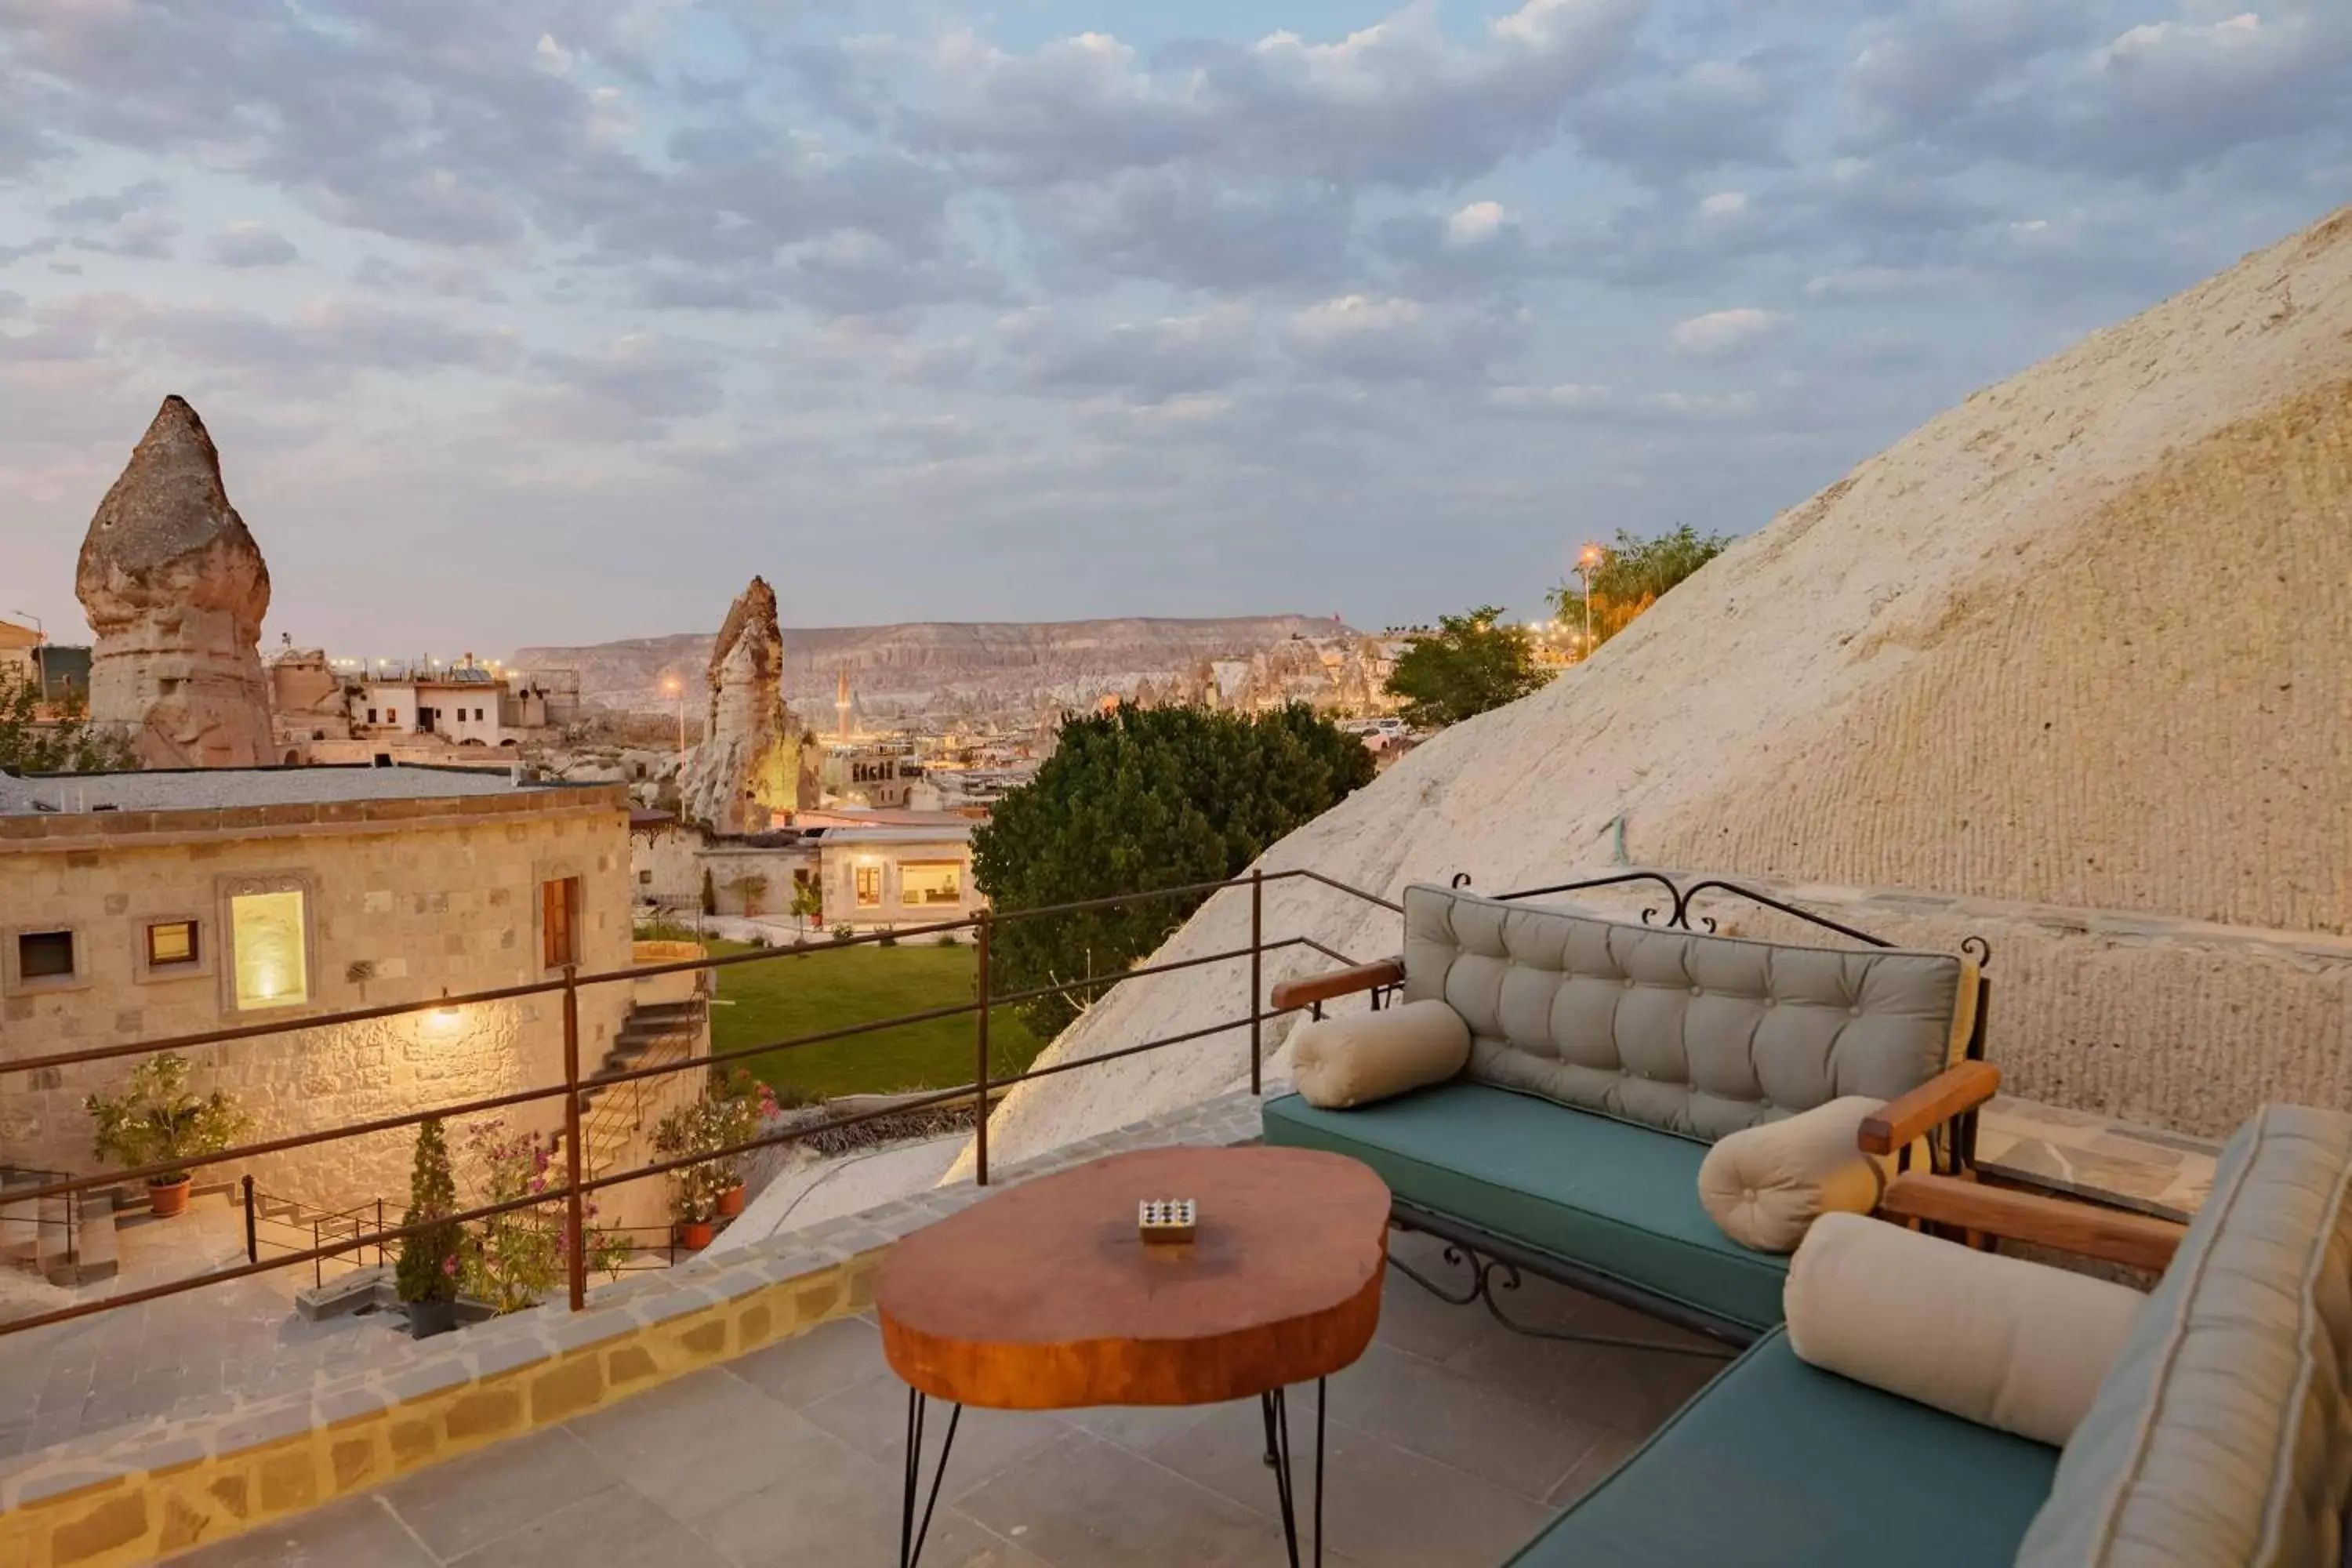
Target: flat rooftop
[212,789]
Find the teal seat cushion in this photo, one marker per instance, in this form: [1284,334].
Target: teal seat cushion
[1776,1464]
[1614,1197]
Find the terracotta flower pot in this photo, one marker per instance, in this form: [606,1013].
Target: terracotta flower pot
[694,1235]
[166,1199]
[730,1202]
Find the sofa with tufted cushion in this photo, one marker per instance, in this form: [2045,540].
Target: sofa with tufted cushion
[2220,1435]
[1606,1057]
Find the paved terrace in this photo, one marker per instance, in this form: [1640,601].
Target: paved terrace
[1451,1443]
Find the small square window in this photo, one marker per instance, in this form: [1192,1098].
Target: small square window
[45,955]
[172,944]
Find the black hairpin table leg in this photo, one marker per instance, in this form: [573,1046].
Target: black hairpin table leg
[1276,1410]
[912,1530]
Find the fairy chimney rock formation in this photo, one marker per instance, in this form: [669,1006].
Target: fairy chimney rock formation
[749,772]
[175,589]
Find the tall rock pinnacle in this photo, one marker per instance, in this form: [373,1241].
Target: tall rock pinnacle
[750,767]
[176,589]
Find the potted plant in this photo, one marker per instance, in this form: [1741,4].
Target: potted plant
[428,1268]
[751,890]
[693,1189]
[740,1106]
[515,1258]
[155,1120]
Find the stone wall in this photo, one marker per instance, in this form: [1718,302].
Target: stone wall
[408,900]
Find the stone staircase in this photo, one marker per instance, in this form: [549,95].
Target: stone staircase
[67,1240]
[613,1115]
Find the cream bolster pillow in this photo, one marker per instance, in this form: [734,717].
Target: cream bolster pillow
[1354,1060]
[1764,1185]
[2004,1342]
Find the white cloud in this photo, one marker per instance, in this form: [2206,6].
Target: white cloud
[1398,102]
[1865,282]
[1477,222]
[1353,315]
[1388,337]
[1724,203]
[249,244]
[1587,401]
[551,57]
[1725,334]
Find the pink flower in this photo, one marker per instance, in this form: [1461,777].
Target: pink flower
[449,1266]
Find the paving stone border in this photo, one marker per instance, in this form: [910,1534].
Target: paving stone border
[226,1464]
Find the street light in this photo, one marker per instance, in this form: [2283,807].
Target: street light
[39,630]
[1585,564]
[677,689]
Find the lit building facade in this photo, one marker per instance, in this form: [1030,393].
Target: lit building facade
[128,913]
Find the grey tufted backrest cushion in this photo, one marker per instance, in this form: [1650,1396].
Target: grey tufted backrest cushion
[2223,1431]
[1696,1035]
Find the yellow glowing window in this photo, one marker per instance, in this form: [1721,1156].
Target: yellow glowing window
[170,942]
[869,886]
[266,934]
[924,882]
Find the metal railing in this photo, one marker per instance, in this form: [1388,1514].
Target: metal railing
[281,1224]
[340,1241]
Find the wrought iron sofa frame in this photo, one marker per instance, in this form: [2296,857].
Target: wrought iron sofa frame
[1492,1261]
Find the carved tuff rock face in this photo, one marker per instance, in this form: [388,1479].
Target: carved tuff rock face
[749,766]
[176,589]
[166,536]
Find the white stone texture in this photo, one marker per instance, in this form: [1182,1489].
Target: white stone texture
[175,589]
[2083,641]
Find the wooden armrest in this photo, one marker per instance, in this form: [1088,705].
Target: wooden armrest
[1960,1088]
[2085,1229]
[1309,989]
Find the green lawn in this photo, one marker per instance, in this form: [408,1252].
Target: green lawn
[828,988]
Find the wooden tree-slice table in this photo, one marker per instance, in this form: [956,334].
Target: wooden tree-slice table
[1046,1296]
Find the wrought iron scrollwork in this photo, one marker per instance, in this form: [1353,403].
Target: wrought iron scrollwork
[1978,948]
[1483,1273]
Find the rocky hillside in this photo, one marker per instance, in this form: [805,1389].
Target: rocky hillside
[1001,670]
[2069,666]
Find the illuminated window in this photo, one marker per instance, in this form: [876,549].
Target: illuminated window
[45,955]
[270,948]
[869,887]
[922,882]
[392,715]
[170,944]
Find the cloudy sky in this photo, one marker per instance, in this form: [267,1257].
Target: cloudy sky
[555,320]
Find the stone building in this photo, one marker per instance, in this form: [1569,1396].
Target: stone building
[176,589]
[19,652]
[902,868]
[142,906]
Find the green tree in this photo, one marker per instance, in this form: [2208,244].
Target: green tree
[428,1259]
[1471,663]
[1633,575]
[1138,799]
[65,744]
